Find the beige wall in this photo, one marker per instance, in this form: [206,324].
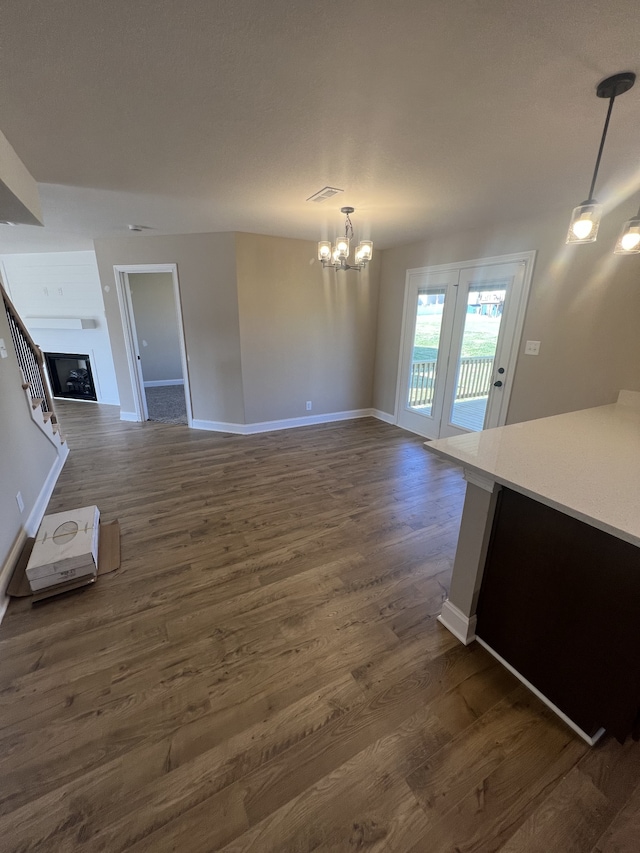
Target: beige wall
[156,320]
[306,333]
[207,274]
[18,189]
[584,307]
[26,454]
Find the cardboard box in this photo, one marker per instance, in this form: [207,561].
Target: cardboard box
[66,542]
[88,571]
[108,561]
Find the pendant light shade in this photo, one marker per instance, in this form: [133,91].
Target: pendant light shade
[585,219]
[629,240]
[364,251]
[324,250]
[342,248]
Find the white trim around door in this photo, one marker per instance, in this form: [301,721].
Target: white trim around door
[450,283]
[121,273]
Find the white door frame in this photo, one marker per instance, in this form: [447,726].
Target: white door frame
[527,259]
[417,284]
[121,272]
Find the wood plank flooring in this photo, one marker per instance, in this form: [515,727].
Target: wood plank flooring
[266,672]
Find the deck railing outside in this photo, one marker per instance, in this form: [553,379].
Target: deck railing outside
[474,380]
[421,381]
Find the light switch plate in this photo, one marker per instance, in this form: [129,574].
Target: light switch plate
[3,349]
[532,348]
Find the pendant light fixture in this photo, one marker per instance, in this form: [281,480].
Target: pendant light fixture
[585,218]
[629,240]
[335,257]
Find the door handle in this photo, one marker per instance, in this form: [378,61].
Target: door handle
[498,384]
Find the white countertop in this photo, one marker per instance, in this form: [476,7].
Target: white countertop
[586,463]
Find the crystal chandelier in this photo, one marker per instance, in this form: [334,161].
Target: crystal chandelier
[336,257]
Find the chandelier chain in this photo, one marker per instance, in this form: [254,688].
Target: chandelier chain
[348,228]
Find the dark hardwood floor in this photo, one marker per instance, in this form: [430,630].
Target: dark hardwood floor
[266,672]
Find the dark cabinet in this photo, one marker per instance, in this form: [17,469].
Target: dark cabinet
[560,602]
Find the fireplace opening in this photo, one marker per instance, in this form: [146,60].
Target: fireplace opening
[70,375]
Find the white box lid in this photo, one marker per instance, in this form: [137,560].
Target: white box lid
[65,538]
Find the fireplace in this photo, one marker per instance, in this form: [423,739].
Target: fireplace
[70,375]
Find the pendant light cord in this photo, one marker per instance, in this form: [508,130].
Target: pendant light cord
[604,136]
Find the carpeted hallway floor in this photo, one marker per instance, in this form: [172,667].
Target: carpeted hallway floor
[166,404]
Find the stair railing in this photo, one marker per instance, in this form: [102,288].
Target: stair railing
[30,359]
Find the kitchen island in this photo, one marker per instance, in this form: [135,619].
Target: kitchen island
[547,569]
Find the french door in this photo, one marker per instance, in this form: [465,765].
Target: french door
[460,335]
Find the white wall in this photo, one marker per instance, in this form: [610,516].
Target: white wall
[67,285]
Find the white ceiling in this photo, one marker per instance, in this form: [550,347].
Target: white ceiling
[214,116]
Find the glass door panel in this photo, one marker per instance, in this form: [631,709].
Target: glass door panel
[428,315]
[481,347]
[424,355]
[459,346]
[474,373]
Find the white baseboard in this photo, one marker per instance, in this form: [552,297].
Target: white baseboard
[7,570]
[461,626]
[40,507]
[31,526]
[308,420]
[218,426]
[384,416]
[590,740]
[128,416]
[156,383]
[287,423]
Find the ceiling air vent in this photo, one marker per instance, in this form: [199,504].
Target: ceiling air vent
[324,194]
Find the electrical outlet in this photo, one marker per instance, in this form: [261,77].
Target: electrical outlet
[3,349]
[20,502]
[308,405]
[532,348]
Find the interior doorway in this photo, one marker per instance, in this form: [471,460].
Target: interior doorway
[461,330]
[152,318]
